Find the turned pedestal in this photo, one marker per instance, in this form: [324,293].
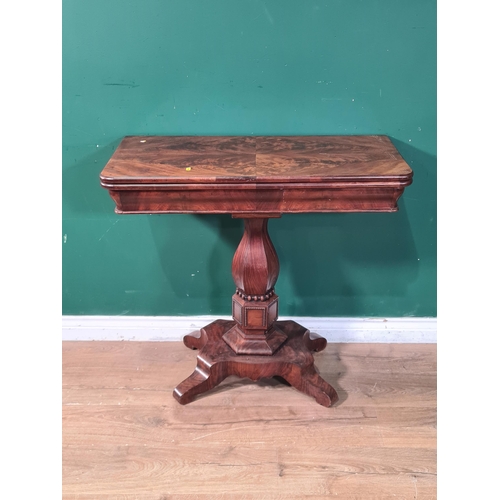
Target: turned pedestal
[255,345]
[255,178]
[255,304]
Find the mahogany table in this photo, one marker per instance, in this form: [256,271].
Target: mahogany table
[255,178]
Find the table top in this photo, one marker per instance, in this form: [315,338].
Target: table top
[256,175]
[206,160]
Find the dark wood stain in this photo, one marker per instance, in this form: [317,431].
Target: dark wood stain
[293,362]
[256,178]
[241,175]
[262,159]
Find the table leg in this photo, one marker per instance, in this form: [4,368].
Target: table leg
[255,345]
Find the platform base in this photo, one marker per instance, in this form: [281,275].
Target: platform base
[293,362]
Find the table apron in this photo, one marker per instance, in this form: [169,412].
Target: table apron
[228,199]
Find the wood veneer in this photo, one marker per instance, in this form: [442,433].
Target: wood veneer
[267,175]
[255,178]
[294,362]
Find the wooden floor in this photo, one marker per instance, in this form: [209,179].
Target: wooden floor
[125,437]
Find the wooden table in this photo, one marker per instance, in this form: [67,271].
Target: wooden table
[255,178]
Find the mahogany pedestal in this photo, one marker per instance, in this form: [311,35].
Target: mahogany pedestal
[293,362]
[255,345]
[256,178]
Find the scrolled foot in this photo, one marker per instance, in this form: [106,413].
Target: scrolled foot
[314,342]
[196,340]
[293,363]
[197,383]
[312,384]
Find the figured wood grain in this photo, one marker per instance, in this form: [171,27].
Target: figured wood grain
[194,160]
[218,359]
[248,175]
[125,437]
[255,270]
[255,265]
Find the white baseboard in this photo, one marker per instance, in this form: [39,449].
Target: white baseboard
[173,328]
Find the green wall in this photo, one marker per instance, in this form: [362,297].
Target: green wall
[228,67]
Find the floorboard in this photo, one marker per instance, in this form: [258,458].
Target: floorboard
[125,437]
